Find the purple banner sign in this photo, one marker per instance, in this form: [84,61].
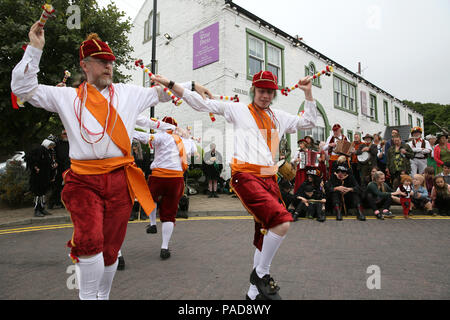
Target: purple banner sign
[206,46]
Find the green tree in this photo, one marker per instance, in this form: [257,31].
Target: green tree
[432,112]
[21,128]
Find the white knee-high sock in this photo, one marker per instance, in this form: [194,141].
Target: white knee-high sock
[271,243]
[167,229]
[119,254]
[153,217]
[253,290]
[107,280]
[89,273]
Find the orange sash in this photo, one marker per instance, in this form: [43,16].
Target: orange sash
[270,134]
[137,186]
[182,151]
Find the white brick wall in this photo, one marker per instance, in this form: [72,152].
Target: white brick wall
[182,18]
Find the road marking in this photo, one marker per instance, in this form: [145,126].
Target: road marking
[210,218]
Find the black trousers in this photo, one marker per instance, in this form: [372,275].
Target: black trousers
[351,199]
[313,209]
[376,203]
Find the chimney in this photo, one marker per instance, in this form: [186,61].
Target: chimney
[359,68]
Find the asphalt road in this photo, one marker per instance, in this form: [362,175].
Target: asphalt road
[212,260]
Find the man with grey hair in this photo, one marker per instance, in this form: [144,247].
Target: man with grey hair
[213,166]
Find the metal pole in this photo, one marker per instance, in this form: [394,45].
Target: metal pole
[153,66]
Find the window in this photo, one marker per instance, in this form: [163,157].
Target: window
[410,120]
[274,61]
[350,135]
[148,27]
[373,108]
[419,122]
[386,112]
[344,94]
[352,98]
[310,70]
[255,55]
[337,92]
[397,116]
[264,54]
[318,132]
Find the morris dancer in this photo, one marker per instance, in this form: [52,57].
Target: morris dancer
[166,182]
[103,180]
[331,143]
[257,131]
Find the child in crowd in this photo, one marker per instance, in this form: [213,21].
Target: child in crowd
[420,199]
[406,188]
[429,176]
[286,195]
[311,196]
[446,172]
[440,195]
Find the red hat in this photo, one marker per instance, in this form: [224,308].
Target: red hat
[93,46]
[266,80]
[170,120]
[336,127]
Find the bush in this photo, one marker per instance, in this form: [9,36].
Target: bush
[14,185]
[195,173]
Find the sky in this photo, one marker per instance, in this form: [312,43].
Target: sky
[403,45]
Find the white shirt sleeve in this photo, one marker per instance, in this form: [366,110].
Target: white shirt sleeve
[24,83]
[148,123]
[142,137]
[221,108]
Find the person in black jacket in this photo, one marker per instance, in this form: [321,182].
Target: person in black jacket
[39,162]
[343,190]
[310,199]
[62,164]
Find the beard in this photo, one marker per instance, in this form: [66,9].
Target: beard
[103,81]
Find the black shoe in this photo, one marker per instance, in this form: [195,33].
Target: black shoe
[165,254]
[338,215]
[360,216]
[210,195]
[215,195]
[121,264]
[321,218]
[152,229]
[267,287]
[38,214]
[45,212]
[259,296]
[182,214]
[379,216]
[388,215]
[295,216]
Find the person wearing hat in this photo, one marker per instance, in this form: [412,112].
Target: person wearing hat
[39,163]
[311,189]
[331,143]
[365,167]
[299,162]
[257,128]
[166,183]
[103,180]
[422,151]
[344,191]
[441,151]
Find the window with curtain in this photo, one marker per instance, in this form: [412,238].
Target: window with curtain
[148,27]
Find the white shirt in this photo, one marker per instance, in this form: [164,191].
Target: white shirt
[249,144]
[167,155]
[129,101]
[418,148]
